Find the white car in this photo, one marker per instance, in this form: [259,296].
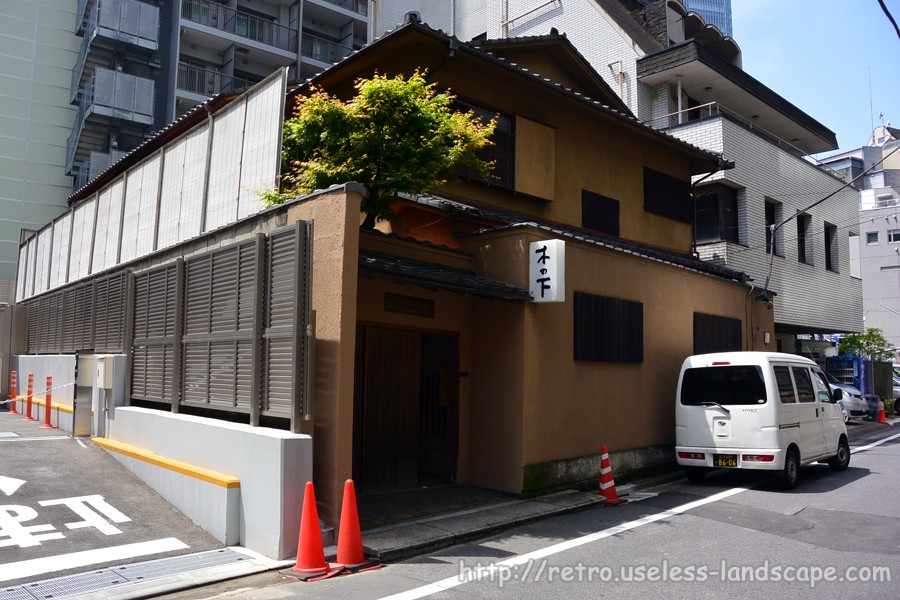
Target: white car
[852,403]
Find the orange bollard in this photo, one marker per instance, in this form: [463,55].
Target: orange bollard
[28,416]
[350,553]
[47,405]
[607,484]
[310,552]
[13,392]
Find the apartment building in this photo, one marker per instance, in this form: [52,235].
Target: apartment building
[875,171]
[678,74]
[84,82]
[714,12]
[37,51]
[141,65]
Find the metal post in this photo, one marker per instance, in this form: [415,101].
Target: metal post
[28,416]
[48,403]
[13,392]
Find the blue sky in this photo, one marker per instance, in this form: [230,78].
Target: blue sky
[818,54]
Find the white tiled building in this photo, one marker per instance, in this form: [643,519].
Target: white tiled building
[678,74]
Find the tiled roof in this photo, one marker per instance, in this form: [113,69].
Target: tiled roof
[378,265]
[511,220]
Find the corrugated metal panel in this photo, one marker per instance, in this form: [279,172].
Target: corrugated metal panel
[141,193]
[108,231]
[60,256]
[171,197]
[44,241]
[193,182]
[224,178]
[82,235]
[262,142]
[22,274]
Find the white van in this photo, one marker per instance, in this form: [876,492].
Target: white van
[756,410]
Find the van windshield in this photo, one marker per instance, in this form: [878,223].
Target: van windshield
[734,384]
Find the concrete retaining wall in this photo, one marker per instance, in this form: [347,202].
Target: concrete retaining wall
[272,465]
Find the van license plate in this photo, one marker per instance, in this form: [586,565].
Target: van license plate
[725,460]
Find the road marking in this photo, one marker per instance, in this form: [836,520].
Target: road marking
[876,443]
[48,438]
[9,485]
[80,443]
[61,562]
[479,573]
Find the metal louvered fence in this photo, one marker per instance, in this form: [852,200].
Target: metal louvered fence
[223,330]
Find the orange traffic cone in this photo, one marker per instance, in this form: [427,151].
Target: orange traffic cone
[350,552]
[607,484]
[881,418]
[310,552]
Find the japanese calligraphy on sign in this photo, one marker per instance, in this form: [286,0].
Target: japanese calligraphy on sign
[547,271]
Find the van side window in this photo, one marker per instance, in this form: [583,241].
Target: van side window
[822,388]
[804,384]
[785,385]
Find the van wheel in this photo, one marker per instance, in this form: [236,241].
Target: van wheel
[695,474]
[790,475]
[841,460]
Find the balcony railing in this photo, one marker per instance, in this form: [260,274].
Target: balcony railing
[130,21]
[317,48]
[360,7]
[206,82]
[239,23]
[713,109]
[113,94]
[96,164]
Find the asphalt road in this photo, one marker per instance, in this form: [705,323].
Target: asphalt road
[736,535]
[69,507]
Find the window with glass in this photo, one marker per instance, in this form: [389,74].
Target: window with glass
[831,247]
[871,238]
[893,235]
[803,224]
[716,214]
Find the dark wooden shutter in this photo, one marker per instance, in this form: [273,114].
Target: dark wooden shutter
[667,196]
[599,213]
[608,329]
[717,334]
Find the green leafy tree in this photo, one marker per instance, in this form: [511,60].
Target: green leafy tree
[395,135]
[871,343]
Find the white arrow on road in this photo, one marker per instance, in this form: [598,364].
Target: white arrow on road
[8,485]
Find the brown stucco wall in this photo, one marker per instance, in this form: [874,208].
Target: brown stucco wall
[571,408]
[335,217]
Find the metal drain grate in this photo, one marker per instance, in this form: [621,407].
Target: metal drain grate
[103,578]
[73,584]
[162,567]
[15,593]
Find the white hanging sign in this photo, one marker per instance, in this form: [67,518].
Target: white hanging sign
[547,271]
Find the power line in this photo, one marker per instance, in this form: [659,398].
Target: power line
[890,17]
